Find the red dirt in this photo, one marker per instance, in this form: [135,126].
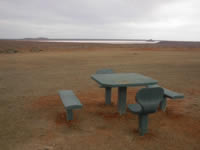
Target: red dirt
[45,102]
[61,118]
[30,120]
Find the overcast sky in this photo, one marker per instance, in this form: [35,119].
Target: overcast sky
[110,19]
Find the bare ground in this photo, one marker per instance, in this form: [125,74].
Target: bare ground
[33,117]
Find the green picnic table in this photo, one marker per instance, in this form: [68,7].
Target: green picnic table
[122,81]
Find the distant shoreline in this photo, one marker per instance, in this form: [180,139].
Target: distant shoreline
[63,40]
[22,46]
[100,41]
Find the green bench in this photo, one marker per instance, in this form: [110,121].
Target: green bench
[70,102]
[167,94]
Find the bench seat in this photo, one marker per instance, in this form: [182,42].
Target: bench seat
[172,94]
[104,71]
[135,108]
[70,102]
[168,93]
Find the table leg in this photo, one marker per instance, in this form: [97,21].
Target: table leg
[108,95]
[163,104]
[122,100]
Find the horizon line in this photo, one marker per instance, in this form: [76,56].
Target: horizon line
[123,39]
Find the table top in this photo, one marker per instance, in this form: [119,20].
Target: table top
[123,79]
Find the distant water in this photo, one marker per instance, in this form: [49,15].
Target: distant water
[104,41]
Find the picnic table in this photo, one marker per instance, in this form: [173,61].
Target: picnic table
[122,81]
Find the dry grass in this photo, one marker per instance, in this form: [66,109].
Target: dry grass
[33,117]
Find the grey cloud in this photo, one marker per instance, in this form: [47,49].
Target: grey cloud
[84,11]
[99,18]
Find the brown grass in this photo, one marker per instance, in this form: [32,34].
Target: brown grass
[33,117]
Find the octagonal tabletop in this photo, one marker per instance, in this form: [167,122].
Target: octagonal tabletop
[123,79]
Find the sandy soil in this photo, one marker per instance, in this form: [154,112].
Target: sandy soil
[33,117]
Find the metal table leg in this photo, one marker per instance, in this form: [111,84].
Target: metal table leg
[122,100]
[108,95]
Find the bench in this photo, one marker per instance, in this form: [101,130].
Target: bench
[70,102]
[104,71]
[168,94]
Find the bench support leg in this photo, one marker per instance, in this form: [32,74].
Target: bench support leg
[163,104]
[143,124]
[69,115]
[108,95]
[122,100]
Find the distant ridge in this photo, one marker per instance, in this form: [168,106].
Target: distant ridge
[38,38]
[103,39]
[95,39]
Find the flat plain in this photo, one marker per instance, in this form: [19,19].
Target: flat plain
[33,117]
